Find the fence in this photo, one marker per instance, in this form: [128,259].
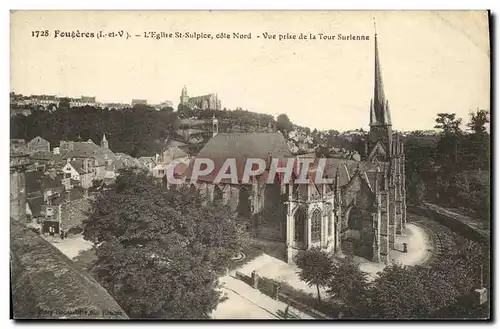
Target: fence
[290,296]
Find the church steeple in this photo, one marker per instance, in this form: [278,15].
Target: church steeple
[380,117]
[379,107]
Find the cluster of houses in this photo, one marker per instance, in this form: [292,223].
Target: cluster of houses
[21,104]
[60,182]
[302,143]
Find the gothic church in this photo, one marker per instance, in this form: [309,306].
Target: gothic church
[360,213]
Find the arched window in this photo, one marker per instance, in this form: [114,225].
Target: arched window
[316,226]
[300,225]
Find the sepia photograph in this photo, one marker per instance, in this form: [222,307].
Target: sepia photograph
[250,165]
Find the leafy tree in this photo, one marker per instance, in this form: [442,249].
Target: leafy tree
[449,141]
[416,188]
[478,120]
[477,144]
[448,123]
[284,125]
[409,292]
[160,251]
[464,266]
[315,267]
[348,284]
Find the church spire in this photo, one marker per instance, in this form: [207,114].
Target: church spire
[379,108]
[104,142]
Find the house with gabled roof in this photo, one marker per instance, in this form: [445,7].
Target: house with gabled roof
[38,144]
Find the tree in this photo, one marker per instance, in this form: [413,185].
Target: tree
[416,188]
[348,284]
[448,123]
[160,251]
[409,292]
[464,266]
[478,120]
[448,143]
[315,267]
[168,109]
[477,144]
[283,124]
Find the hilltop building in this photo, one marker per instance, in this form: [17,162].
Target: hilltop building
[204,102]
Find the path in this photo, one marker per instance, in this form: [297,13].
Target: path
[271,267]
[476,224]
[419,241]
[70,246]
[244,302]
[420,246]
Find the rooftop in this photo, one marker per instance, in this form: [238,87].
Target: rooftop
[47,285]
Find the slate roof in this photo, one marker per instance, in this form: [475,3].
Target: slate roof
[35,205]
[86,149]
[240,146]
[37,139]
[44,279]
[347,168]
[78,165]
[33,180]
[200,98]
[53,183]
[246,144]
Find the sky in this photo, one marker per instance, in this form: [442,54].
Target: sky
[431,62]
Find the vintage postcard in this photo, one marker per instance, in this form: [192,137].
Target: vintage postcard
[277,165]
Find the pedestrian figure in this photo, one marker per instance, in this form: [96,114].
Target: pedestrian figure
[62,235]
[51,231]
